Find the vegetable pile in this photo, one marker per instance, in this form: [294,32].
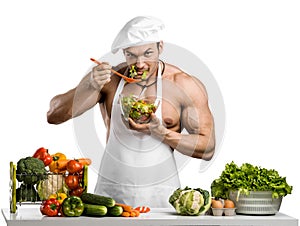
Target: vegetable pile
[97,205]
[42,175]
[61,184]
[88,204]
[248,178]
[189,201]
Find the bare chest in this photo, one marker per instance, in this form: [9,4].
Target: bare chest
[170,105]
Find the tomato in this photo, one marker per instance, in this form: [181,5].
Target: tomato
[74,166]
[72,181]
[76,192]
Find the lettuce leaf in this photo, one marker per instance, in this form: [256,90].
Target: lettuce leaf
[247,178]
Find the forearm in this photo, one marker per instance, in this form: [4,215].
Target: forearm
[73,103]
[86,96]
[195,145]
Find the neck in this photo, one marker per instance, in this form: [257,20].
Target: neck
[151,78]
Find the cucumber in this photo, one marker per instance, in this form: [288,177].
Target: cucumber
[90,198]
[115,211]
[94,210]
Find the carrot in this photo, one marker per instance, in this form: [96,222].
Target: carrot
[125,207]
[136,212]
[125,214]
[132,214]
[85,161]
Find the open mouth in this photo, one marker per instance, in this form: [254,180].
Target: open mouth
[134,73]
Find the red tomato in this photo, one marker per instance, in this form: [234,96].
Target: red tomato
[72,181]
[76,192]
[74,166]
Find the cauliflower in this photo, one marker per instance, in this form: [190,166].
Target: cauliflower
[30,170]
[55,183]
[189,201]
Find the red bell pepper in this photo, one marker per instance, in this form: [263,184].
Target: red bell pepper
[50,207]
[42,154]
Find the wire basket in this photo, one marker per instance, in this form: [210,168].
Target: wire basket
[52,183]
[256,203]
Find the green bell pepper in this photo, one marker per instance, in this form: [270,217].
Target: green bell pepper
[72,206]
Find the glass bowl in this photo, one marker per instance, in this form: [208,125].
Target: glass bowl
[138,109]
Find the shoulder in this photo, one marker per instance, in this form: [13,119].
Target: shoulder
[189,83]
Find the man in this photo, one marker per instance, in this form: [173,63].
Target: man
[138,166]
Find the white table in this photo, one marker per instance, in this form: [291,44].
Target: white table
[31,216]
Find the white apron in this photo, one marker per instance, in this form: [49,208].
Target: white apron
[136,168]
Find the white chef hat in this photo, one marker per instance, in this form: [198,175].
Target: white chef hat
[138,31]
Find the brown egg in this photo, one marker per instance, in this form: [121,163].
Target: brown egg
[216,204]
[228,203]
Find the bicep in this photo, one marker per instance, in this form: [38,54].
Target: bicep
[197,119]
[196,115]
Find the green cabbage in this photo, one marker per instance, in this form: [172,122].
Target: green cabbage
[190,201]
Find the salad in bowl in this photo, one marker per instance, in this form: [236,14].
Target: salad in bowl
[138,109]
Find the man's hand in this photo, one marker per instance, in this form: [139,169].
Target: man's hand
[100,75]
[154,127]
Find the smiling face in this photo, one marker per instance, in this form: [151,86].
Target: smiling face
[144,58]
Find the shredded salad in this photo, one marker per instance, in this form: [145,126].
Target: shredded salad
[137,109]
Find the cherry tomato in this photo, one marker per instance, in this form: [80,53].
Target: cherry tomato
[74,166]
[72,181]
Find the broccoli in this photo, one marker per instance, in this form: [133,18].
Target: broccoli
[30,170]
[189,201]
[27,192]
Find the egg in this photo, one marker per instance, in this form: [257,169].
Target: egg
[228,203]
[216,204]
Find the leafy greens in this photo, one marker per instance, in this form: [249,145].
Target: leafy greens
[248,178]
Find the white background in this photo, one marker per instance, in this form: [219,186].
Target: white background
[251,47]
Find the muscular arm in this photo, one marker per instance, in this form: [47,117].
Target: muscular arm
[195,117]
[74,102]
[85,96]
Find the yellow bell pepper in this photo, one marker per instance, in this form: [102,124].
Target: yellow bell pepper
[53,165]
[59,196]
